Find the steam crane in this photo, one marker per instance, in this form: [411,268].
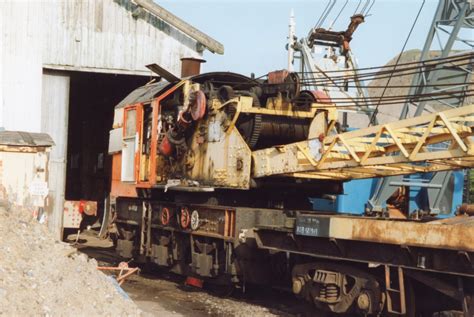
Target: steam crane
[213,174]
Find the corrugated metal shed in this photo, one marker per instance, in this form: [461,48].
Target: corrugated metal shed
[42,42]
[105,36]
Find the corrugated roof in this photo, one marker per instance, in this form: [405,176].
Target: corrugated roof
[143,94]
[20,138]
[148,92]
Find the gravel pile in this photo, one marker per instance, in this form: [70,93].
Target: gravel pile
[42,276]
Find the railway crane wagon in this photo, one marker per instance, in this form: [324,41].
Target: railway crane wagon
[212,176]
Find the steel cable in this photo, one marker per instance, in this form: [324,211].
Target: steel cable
[373,117]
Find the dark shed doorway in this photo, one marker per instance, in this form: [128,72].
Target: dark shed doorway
[92,99]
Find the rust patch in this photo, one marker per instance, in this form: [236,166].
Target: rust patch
[434,234]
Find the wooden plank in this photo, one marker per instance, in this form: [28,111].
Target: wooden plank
[163,72]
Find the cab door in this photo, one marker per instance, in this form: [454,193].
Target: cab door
[131,141]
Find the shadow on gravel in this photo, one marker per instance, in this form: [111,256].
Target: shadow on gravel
[154,285]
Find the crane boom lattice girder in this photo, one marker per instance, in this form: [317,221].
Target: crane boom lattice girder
[435,142]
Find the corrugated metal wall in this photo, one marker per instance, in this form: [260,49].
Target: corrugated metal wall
[104,34]
[21,65]
[54,112]
[1,72]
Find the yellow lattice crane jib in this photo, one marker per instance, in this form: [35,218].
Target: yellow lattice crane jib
[434,142]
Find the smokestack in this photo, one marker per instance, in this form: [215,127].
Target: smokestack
[191,66]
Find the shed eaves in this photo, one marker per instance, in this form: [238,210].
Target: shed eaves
[158,11]
[20,138]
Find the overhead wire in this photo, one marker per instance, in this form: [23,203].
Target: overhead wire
[321,16]
[365,6]
[374,114]
[342,79]
[325,13]
[351,104]
[381,74]
[357,8]
[369,9]
[385,100]
[432,60]
[403,86]
[449,92]
[400,72]
[339,14]
[402,97]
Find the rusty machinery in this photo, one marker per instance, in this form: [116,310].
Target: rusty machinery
[211,179]
[212,176]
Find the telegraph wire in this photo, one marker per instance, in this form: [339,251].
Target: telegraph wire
[373,117]
[379,74]
[369,9]
[340,11]
[357,8]
[448,59]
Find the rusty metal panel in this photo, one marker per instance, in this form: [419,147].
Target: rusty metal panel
[439,234]
[434,234]
[120,189]
[226,161]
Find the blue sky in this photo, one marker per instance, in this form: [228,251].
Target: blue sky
[254,32]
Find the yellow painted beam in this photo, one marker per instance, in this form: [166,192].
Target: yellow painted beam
[441,141]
